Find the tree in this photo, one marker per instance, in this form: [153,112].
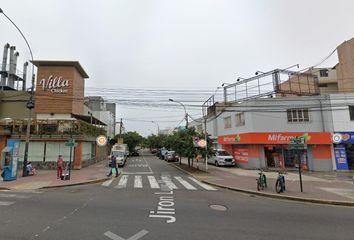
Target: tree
[132,139]
[182,142]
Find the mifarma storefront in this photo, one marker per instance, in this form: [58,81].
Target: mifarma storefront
[273,150]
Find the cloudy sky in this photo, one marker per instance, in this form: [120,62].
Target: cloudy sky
[139,53]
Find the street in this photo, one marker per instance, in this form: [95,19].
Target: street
[153,200]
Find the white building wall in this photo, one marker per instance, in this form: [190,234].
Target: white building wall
[107,118]
[269,115]
[339,114]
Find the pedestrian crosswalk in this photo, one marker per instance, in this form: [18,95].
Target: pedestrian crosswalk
[154,182]
[8,198]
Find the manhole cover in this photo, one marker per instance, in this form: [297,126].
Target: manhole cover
[218,207]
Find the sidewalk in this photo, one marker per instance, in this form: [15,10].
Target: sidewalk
[48,179]
[328,188]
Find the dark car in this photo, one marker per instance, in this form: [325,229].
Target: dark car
[153,150]
[171,156]
[134,153]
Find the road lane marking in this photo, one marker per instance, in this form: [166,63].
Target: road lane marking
[11,195]
[186,184]
[138,182]
[205,186]
[107,183]
[167,180]
[6,203]
[147,164]
[134,237]
[153,182]
[122,182]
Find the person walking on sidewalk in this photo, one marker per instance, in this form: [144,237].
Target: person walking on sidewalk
[113,167]
[60,162]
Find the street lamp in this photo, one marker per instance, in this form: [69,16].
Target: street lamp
[158,127]
[258,72]
[185,111]
[30,102]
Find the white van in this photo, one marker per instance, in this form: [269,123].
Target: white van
[222,158]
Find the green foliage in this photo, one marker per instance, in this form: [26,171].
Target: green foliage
[180,141]
[132,139]
[88,130]
[155,141]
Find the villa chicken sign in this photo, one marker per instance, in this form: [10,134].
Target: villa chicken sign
[55,84]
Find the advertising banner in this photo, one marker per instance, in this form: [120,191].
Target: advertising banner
[241,155]
[275,138]
[341,157]
[343,137]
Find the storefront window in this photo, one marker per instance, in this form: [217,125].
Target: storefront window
[278,156]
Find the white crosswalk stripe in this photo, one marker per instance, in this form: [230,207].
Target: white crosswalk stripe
[6,203]
[107,183]
[167,180]
[153,182]
[186,184]
[138,182]
[122,182]
[10,196]
[205,186]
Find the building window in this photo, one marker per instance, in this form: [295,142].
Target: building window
[227,122]
[324,73]
[240,119]
[298,115]
[351,113]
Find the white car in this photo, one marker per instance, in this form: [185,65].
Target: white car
[222,158]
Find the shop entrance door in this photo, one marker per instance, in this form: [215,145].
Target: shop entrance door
[350,155]
[273,156]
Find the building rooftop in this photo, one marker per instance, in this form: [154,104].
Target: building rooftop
[75,64]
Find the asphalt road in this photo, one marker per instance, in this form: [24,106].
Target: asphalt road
[127,208]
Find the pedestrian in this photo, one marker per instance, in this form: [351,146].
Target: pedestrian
[60,162]
[113,167]
[30,169]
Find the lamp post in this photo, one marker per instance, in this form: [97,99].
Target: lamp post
[185,111]
[30,102]
[158,127]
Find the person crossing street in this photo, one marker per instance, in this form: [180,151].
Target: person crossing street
[113,167]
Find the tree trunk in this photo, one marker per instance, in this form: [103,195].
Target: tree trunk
[189,161]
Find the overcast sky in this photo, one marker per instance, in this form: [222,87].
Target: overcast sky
[175,45]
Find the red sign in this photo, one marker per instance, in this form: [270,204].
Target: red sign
[241,155]
[275,138]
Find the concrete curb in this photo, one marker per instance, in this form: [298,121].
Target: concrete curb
[77,184]
[276,196]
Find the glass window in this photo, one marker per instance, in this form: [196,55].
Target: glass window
[299,115]
[240,119]
[227,122]
[351,113]
[324,73]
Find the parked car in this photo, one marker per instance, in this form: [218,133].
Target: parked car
[163,152]
[153,150]
[222,158]
[171,156]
